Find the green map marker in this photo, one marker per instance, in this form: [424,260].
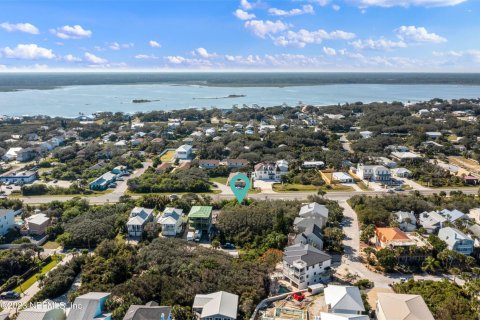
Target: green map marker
[240,188]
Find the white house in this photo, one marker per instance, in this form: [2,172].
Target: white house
[401,173]
[344,299]
[456,240]
[453,215]
[11,154]
[171,221]
[138,219]
[7,220]
[313,164]
[342,177]
[433,134]
[270,171]
[373,173]
[216,306]
[304,265]
[184,152]
[341,316]
[21,177]
[431,221]
[311,213]
[366,134]
[406,220]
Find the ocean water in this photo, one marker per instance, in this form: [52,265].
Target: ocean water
[67,95]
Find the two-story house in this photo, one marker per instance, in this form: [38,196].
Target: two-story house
[139,217]
[456,240]
[374,173]
[270,171]
[171,221]
[184,152]
[304,265]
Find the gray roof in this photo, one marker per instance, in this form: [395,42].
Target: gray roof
[431,219]
[219,303]
[313,209]
[344,298]
[89,303]
[402,215]
[147,312]
[139,215]
[475,229]
[451,236]
[307,253]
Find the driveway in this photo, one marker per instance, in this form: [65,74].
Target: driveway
[265,185]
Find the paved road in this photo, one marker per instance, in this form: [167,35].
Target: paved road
[111,197]
[30,292]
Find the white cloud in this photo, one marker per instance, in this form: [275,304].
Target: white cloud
[306,9]
[90,57]
[246,5]
[175,59]
[301,38]
[243,15]
[117,46]
[469,55]
[69,32]
[321,3]
[407,3]
[154,44]
[202,52]
[418,34]
[71,58]
[27,52]
[263,28]
[336,7]
[329,51]
[22,27]
[380,44]
[146,57]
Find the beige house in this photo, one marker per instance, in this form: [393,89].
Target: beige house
[37,224]
[392,306]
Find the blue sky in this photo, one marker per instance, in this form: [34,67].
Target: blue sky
[311,35]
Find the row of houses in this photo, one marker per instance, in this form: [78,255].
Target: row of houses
[170,221]
[27,154]
[219,305]
[230,163]
[304,262]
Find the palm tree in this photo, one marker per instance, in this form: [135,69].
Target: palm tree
[430,264]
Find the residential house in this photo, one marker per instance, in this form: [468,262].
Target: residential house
[366,134]
[208,164]
[47,310]
[120,170]
[456,240]
[90,306]
[270,171]
[313,164]
[235,163]
[312,235]
[103,182]
[406,220]
[20,177]
[7,221]
[219,305]
[453,215]
[200,218]
[163,167]
[401,173]
[36,224]
[139,217]
[431,221]
[210,132]
[342,177]
[471,180]
[374,173]
[433,134]
[474,214]
[184,152]
[311,213]
[386,162]
[171,221]
[404,155]
[393,306]
[11,154]
[304,265]
[344,299]
[392,237]
[149,311]
[26,154]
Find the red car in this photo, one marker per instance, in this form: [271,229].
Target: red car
[298,296]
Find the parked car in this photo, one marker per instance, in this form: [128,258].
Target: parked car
[298,296]
[55,181]
[390,191]
[10,295]
[228,246]
[173,196]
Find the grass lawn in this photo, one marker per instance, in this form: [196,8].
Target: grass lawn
[337,188]
[362,185]
[278,187]
[129,193]
[51,245]
[168,156]
[30,281]
[222,180]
